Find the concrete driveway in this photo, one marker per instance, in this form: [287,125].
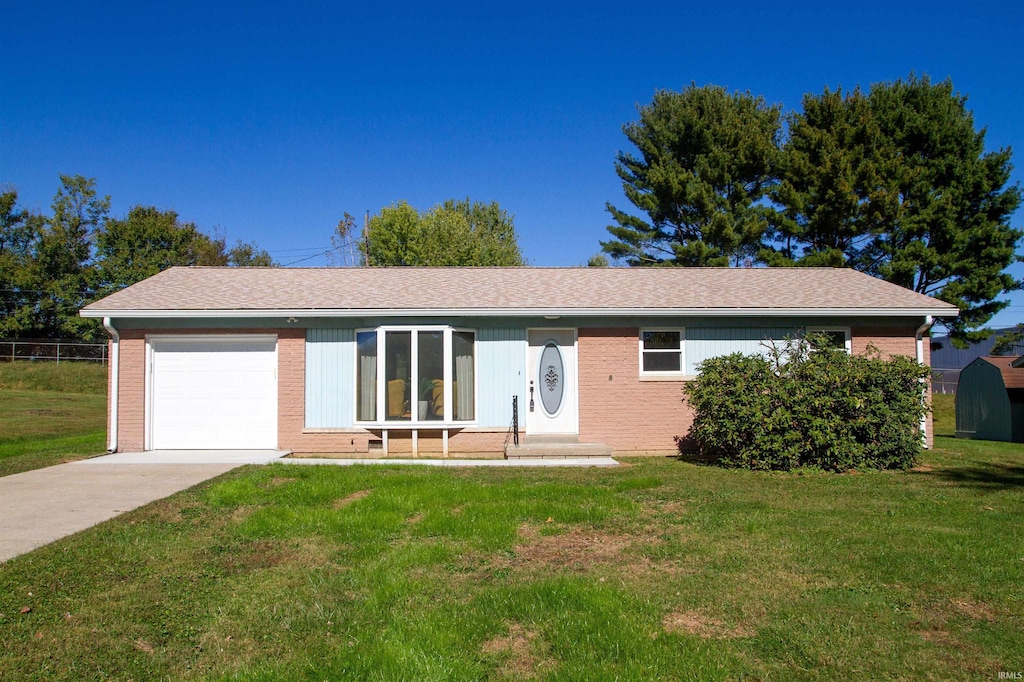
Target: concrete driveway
[38,507]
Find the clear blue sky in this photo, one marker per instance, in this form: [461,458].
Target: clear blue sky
[269,120]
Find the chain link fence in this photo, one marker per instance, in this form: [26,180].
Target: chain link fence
[53,351]
[945,380]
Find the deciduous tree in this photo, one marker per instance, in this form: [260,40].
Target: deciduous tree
[143,243]
[149,240]
[51,266]
[249,255]
[19,231]
[61,268]
[455,233]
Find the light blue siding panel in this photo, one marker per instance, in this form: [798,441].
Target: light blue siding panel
[501,368]
[330,378]
[703,343]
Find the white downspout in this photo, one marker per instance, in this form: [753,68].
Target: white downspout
[115,367]
[919,336]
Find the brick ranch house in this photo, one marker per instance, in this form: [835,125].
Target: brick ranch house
[377,361]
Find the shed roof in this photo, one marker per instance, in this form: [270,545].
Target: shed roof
[213,291]
[1013,377]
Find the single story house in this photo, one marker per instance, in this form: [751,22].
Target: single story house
[990,399]
[376,361]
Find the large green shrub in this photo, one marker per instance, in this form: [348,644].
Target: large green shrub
[802,407]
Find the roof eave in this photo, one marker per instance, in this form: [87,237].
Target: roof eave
[520,312]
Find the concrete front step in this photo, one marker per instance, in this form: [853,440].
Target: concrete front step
[556,447]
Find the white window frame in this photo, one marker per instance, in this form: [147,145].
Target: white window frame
[848,345]
[682,352]
[414,422]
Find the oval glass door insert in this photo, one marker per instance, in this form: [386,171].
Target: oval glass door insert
[551,378]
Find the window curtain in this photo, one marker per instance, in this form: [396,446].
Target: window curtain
[462,398]
[368,386]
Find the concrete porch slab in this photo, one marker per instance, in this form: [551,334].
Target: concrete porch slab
[556,446]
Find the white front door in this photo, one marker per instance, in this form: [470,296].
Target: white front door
[551,382]
[212,392]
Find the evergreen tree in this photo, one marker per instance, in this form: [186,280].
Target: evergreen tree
[943,209]
[898,184]
[706,159]
[829,178]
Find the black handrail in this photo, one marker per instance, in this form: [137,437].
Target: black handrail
[513,430]
[515,420]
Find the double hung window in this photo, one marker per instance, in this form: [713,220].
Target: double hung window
[661,352]
[417,375]
[834,337]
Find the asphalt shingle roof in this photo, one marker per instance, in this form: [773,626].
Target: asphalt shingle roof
[1013,377]
[514,289]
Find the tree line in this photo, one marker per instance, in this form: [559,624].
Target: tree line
[894,181]
[52,265]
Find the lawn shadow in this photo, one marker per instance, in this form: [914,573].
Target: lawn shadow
[687,451]
[987,476]
[696,458]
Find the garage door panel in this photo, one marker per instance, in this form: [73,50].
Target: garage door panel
[214,393]
[239,384]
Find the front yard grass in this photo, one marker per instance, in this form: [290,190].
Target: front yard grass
[50,413]
[656,570]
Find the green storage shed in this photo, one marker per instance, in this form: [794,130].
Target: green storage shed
[990,400]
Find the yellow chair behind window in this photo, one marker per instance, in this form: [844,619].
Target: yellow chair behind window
[396,398]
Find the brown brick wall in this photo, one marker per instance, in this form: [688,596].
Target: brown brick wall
[615,407]
[291,396]
[618,409]
[888,340]
[896,341]
[131,393]
[630,415]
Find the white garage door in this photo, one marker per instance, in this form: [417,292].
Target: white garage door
[213,393]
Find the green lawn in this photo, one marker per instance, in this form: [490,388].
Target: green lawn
[51,413]
[944,414]
[656,570]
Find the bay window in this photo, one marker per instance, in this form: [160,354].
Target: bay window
[415,375]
